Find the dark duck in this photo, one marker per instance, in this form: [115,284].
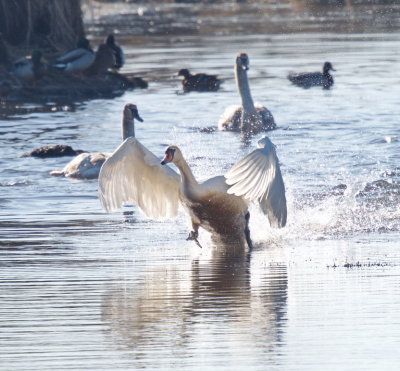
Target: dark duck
[199,81]
[117,50]
[29,69]
[310,79]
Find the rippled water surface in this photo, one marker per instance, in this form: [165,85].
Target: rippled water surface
[81,289]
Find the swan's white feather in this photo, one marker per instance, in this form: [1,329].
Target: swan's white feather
[84,166]
[134,175]
[257,177]
[231,117]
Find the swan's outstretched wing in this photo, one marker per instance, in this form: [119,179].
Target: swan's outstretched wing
[134,175]
[257,177]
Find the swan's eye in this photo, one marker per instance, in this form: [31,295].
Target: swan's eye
[169,156]
[170,152]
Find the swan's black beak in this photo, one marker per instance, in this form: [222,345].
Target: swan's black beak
[165,160]
[137,117]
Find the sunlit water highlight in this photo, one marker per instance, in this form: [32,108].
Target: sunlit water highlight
[81,289]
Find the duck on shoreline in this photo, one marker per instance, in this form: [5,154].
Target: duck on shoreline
[30,68]
[76,60]
[118,52]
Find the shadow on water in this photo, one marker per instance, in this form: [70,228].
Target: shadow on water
[180,306]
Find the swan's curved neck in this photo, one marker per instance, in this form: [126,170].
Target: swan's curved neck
[189,182]
[128,128]
[244,89]
[249,112]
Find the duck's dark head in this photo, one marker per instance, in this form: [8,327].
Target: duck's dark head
[36,56]
[184,72]
[131,112]
[242,61]
[110,40]
[83,43]
[328,67]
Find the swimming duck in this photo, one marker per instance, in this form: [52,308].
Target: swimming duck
[118,52]
[247,118]
[88,165]
[220,204]
[307,80]
[199,81]
[30,68]
[78,59]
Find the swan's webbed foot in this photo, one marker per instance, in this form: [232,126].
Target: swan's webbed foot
[247,231]
[193,237]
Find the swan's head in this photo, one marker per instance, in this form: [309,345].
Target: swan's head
[131,112]
[184,72]
[328,67]
[242,61]
[172,154]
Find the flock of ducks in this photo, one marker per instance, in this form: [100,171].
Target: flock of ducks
[133,174]
[80,60]
[203,82]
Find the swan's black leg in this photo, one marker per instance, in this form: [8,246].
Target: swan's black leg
[247,231]
[194,234]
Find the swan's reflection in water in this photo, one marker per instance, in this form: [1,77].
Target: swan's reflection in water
[231,302]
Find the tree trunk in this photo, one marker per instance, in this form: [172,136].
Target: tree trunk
[41,23]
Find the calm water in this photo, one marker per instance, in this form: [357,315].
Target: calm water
[81,289]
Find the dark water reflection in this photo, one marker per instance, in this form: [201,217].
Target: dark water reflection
[216,303]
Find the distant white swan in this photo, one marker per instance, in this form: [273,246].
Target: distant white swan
[220,205]
[248,118]
[88,165]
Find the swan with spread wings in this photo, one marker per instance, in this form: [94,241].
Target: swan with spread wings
[220,204]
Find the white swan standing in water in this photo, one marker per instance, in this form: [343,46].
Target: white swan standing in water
[88,165]
[220,205]
[248,118]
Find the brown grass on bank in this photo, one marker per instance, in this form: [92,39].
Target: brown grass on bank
[55,24]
